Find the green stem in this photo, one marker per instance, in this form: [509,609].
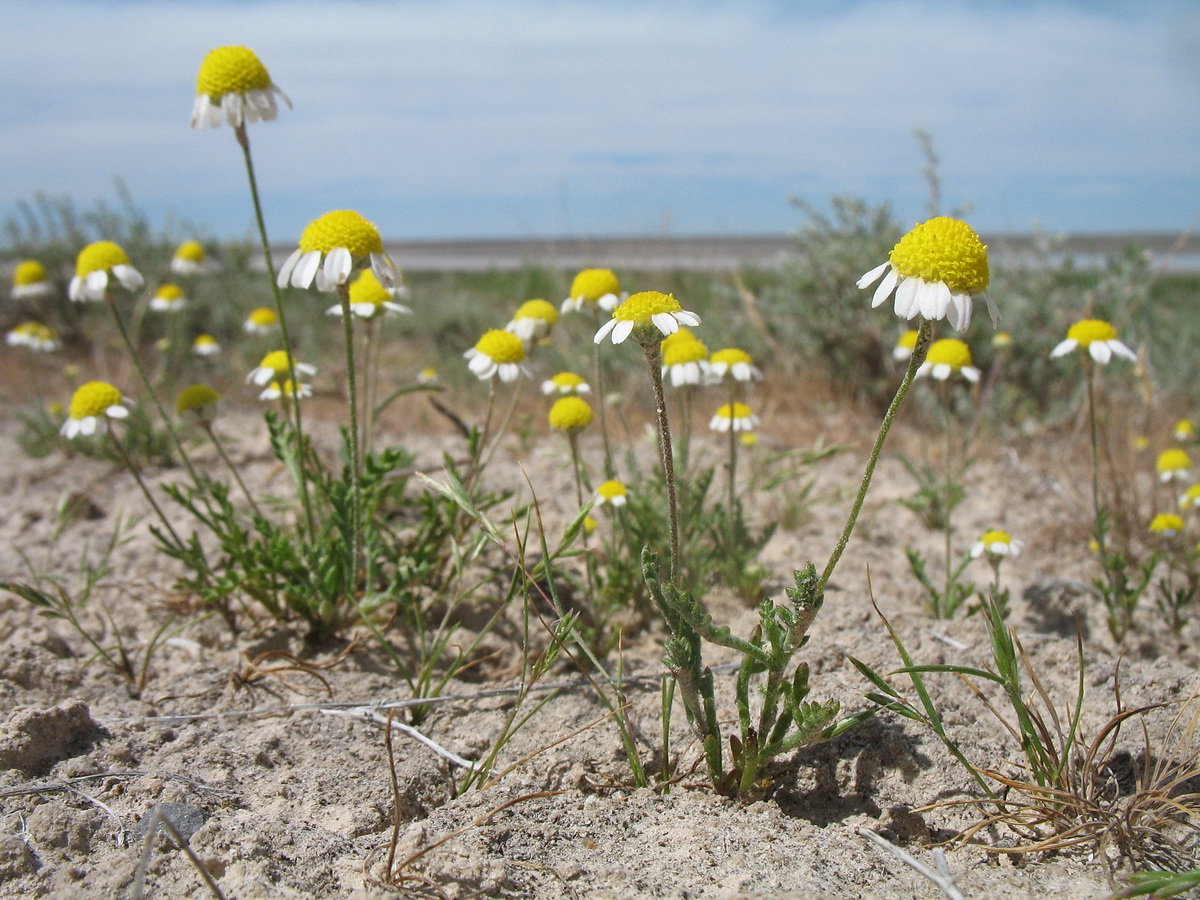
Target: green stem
[601,401]
[232,468]
[137,476]
[343,293]
[732,468]
[653,350]
[948,501]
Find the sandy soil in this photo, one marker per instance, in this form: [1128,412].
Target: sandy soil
[286,787]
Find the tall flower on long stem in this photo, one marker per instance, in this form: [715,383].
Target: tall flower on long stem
[30,281]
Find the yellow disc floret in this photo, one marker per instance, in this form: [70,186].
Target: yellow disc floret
[570,414]
[1086,331]
[276,361]
[995,537]
[1166,524]
[567,381]
[683,347]
[1174,460]
[639,308]
[99,257]
[611,490]
[731,357]
[733,411]
[502,347]
[29,272]
[231,70]
[943,250]
[194,397]
[592,284]
[264,317]
[341,228]
[192,251]
[908,340]
[950,352]
[93,399]
[537,309]
[169,292]
[367,289]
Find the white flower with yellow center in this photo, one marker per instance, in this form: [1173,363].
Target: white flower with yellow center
[1166,525]
[263,320]
[234,83]
[92,268]
[198,404]
[566,383]
[277,389]
[733,416]
[274,366]
[1095,337]
[570,414]
[369,299]
[1190,499]
[685,359]
[497,353]
[596,288]
[330,246]
[205,345]
[428,375]
[935,271]
[168,298]
[996,544]
[611,493]
[649,316]
[35,336]
[1174,465]
[946,357]
[30,281]
[93,404]
[190,258]
[1184,430]
[533,320]
[734,363]
[905,346]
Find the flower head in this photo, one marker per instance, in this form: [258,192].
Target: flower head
[947,356]
[614,493]
[1002,340]
[274,366]
[285,388]
[566,383]
[497,353]
[92,267]
[428,375]
[233,82]
[189,259]
[168,298]
[905,345]
[533,320]
[734,363]
[92,405]
[197,403]
[594,287]
[1174,465]
[1191,499]
[736,416]
[570,414]
[1184,430]
[369,299]
[649,316]
[30,281]
[342,238]
[935,271]
[1166,525]
[205,345]
[996,544]
[263,320]
[35,336]
[1097,338]
[685,358]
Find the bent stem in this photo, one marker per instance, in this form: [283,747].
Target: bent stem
[923,335]
[653,350]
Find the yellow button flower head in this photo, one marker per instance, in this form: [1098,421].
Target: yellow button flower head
[234,82]
[735,363]
[935,271]
[92,267]
[566,383]
[611,492]
[905,345]
[342,238]
[497,353]
[1097,338]
[189,259]
[30,281]
[369,299]
[285,388]
[533,320]
[570,414]
[1174,465]
[35,336]
[685,359]
[197,403]
[996,544]
[734,415]
[263,320]
[1166,525]
[1184,430]
[946,357]
[594,287]
[1191,499]
[275,366]
[93,404]
[205,345]
[168,298]
[649,316]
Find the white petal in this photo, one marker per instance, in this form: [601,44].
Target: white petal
[961,309]
[993,311]
[263,376]
[604,330]
[1064,348]
[665,322]
[871,277]
[971,374]
[885,288]
[609,302]
[285,270]
[96,284]
[1122,350]
[88,425]
[481,364]
[941,371]
[923,369]
[77,290]
[116,412]
[977,550]
[384,269]
[686,317]
[622,331]
[1100,351]
[335,310]
[199,110]
[306,269]
[130,277]
[338,263]
[906,298]
[509,372]
[933,299]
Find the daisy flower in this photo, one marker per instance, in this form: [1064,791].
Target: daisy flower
[277,389]
[369,299]
[533,320]
[91,407]
[1191,499]
[735,363]
[1097,338]
[497,353]
[92,268]
[205,345]
[685,359]
[935,271]
[168,298]
[736,416]
[1184,430]
[947,356]
[233,82]
[428,375]
[329,248]
[1166,525]
[30,281]
[1174,465]
[612,493]
[649,316]
[905,346]
[275,366]
[570,414]
[197,404]
[996,544]
[189,258]
[594,287]
[263,320]
[566,383]
[35,336]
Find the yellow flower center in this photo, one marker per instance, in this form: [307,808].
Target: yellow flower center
[1184,428]
[537,309]
[99,257]
[231,70]
[341,228]
[1002,339]
[945,250]
[501,347]
[733,411]
[29,272]
[610,490]
[196,396]
[640,307]
[592,284]
[949,351]
[995,537]
[276,361]
[1192,497]
[169,292]
[1174,460]
[567,380]
[367,289]
[570,414]
[908,340]
[1086,331]
[204,340]
[683,347]
[192,251]
[264,317]
[93,399]
[1166,522]
[731,356]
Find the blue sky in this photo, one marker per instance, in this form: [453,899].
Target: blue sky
[610,117]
